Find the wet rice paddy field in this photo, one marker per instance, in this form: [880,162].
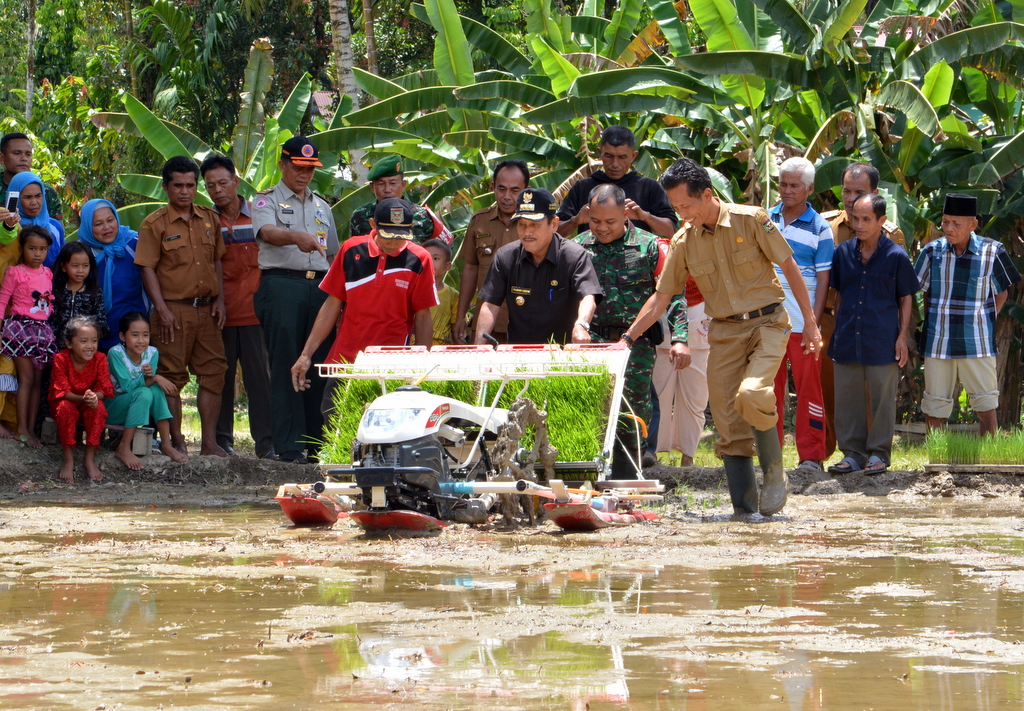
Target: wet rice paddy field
[846,602]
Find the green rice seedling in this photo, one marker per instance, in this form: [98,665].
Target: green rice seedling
[945,447]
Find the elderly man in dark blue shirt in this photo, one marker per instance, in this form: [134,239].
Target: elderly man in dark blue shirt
[875,282]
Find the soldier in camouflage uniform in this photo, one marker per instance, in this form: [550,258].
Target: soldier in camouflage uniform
[387,181]
[626,259]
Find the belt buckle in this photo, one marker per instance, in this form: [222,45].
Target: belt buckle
[743,316]
[196,302]
[311,275]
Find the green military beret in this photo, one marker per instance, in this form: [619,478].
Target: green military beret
[392,165]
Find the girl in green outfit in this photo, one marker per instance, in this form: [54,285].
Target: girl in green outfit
[140,394]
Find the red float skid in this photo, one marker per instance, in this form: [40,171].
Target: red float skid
[398,519]
[584,517]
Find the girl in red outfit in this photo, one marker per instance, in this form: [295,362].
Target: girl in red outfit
[78,385]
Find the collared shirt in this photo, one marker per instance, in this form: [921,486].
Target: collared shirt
[839,221]
[543,299]
[732,265]
[644,191]
[810,238]
[183,252]
[960,296]
[281,207]
[627,269]
[381,292]
[486,234]
[868,319]
[241,265]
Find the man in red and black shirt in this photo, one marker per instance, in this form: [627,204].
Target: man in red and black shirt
[385,282]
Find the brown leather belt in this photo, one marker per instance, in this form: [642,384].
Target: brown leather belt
[770,308]
[194,303]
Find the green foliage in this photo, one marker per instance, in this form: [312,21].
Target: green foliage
[946,447]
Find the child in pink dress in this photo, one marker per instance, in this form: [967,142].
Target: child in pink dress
[27,337]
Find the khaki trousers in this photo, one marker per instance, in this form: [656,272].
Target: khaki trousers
[744,358]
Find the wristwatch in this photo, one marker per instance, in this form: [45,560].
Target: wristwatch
[628,339]
[581,322]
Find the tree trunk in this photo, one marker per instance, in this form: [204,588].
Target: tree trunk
[129,54]
[341,38]
[371,40]
[30,61]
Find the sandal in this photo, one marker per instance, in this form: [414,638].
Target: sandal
[847,466]
[874,466]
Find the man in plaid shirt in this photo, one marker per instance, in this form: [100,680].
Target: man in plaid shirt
[964,278]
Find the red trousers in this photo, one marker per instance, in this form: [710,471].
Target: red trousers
[810,413]
[69,414]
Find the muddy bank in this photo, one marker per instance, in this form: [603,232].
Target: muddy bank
[214,481]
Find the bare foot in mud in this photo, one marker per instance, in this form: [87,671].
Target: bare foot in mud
[94,472]
[67,470]
[5,433]
[171,452]
[128,458]
[30,440]
[214,449]
[178,445]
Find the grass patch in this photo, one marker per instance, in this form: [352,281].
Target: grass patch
[577,410]
[945,447]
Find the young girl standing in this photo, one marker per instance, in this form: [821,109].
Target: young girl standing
[80,382]
[27,337]
[141,394]
[76,291]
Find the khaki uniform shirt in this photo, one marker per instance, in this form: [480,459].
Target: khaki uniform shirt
[839,221]
[732,266]
[281,207]
[183,253]
[485,235]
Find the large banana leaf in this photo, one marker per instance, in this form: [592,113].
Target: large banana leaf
[117,121]
[589,25]
[958,45]
[639,79]
[258,76]
[151,186]
[841,22]
[906,97]
[486,40]
[790,20]
[343,209]
[542,22]
[425,99]
[451,186]
[789,68]
[938,84]
[618,34]
[573,107]
[724,31]
[359,138]
[541,145]
[452,59]
[294,107]
[417,80]
[561,72]
[427,153]
[1007,158]
[515,91]
[375,86]
[668,16]
[160,136]
[475,139]
[430,125]
[131,216]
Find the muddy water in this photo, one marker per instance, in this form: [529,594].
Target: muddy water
[842,606]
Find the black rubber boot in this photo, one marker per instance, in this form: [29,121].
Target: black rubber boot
[622,464]
[739,472]
[775,484]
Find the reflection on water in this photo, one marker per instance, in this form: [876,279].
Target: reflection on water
[889,632]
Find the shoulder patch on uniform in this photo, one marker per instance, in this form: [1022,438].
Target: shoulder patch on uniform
[831,214]
[261,202]
[890,226]
[265,192]
[766,222]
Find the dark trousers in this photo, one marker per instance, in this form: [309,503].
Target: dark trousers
[245,345]
[287,307]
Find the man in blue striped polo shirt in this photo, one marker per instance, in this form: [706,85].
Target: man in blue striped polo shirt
[810,237]
[964,277]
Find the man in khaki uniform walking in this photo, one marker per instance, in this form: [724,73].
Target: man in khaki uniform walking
[858,179]
[729,249]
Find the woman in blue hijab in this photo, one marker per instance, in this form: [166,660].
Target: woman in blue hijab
[33,210]
[113,245]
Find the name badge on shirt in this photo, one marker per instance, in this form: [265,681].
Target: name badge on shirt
[321,238]
[519,290]
[287,211]
[172,238]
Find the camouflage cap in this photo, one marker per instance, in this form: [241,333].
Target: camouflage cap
[392,165]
